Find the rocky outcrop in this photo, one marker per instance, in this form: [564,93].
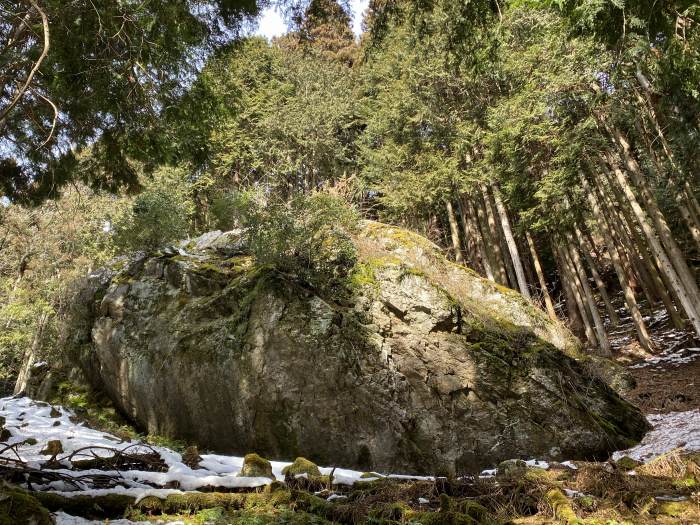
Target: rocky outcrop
[425,368]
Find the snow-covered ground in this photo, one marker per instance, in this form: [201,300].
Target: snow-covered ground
[676,430]
[40,423]
[671,357]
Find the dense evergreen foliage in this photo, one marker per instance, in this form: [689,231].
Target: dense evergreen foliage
[553,147]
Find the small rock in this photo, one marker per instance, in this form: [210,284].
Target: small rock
[4,433]
[56,424]
[53,448]
[511,469]
[55,412]
[301,466]
[191,457]
[626,463]
[256,467]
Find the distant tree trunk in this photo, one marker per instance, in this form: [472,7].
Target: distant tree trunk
[477,228]
[674,266]
[471,251]
[639,266]
[491,238]
[614,319]
[681,197]
[642,333]
[601,335]
[572,313]
[662,228]
[29,357]
[661,285]
[530,277]
[540,277]
[510,241]
[577,292]
[454,232]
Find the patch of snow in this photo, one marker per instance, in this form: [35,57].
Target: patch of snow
[670,356]
[423,501]
[27,419]
[61,518]
[537,464]
[334,497]
[676,430]
[569,464]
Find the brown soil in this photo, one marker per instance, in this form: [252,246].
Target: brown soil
[667,388]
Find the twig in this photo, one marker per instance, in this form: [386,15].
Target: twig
[44,53]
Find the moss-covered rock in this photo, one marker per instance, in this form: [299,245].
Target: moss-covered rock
[53,448]
[424,367]
[302,466]
[255,466]
[627,463]
[18,507]
[512,469]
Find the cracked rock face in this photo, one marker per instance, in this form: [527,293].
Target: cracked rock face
[429,368]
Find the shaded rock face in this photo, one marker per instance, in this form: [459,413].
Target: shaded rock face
[428,368]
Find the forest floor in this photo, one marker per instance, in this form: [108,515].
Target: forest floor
[668,380]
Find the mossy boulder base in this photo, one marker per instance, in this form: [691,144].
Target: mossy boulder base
[421,367]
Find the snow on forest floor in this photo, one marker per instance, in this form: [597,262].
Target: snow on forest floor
[33,424]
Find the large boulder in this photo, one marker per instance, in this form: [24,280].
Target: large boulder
[427,368]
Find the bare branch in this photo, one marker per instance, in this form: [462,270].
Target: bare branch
[37,65]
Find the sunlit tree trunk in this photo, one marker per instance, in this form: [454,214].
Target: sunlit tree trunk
[601,335]
[577,291]
[540,277]
[485,258]
[661,285]
[30,355]
[681,198]
[491,238]
[632,306]
[673,264]
[454,231]
[471,251]
[602,290]
[510,241]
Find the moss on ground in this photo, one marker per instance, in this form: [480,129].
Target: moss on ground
[593,494]
[18,507]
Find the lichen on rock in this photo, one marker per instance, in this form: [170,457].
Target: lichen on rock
[301,466]
[422,366]
[255,466]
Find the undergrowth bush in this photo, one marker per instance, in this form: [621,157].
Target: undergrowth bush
[307,237]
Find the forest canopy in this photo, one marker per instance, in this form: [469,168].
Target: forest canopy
[553,147]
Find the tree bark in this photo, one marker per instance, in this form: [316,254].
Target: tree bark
[510,241]
[454,232]
[576,288]
[485,258]
[540,277]
[676,175]
[471,251]
[29,357]
[601,335]
[491,238]
[662,287]
[641,329]
[614,319]
[674,266]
